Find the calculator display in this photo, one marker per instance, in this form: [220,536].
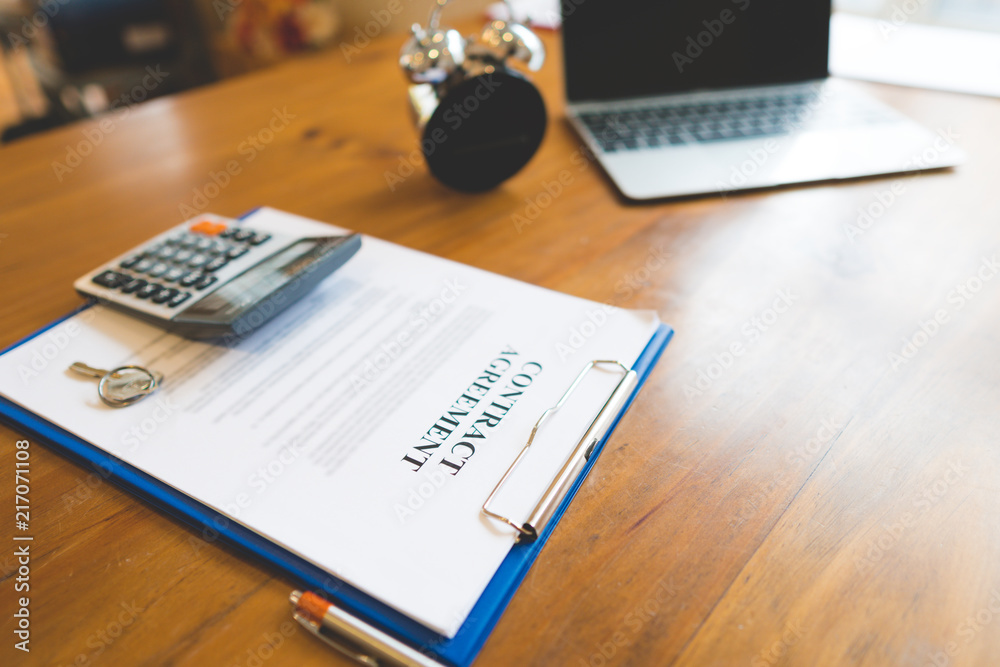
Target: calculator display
[253,286]
[263,281]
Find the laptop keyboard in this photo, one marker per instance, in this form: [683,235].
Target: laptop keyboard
[746,117]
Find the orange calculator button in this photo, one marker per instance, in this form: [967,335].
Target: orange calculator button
[208,227]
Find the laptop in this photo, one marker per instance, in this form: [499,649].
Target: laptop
[698,97]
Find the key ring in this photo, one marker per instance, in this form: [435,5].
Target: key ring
[121,386]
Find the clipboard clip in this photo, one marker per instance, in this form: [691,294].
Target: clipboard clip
[567,475]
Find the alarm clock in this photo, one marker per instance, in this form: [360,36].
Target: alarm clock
[480,120]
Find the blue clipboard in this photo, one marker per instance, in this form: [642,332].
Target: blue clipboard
[458,651]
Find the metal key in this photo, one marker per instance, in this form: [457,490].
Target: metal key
[123,385]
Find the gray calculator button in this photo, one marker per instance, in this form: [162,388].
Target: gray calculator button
[157,270]
[134,286]
[216,264]
[237,251]
[127,282]
[198,261]
[144,265]
[111,279]
[166,252]
[183,256]
[205,281]
[147,290]
[191,278]
[189,241]
[164,295]
[175,273]
[178,299]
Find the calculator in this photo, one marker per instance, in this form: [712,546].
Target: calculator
[215,277]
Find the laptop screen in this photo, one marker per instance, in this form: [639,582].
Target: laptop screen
[632,48]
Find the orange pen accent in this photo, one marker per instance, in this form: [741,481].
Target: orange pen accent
[208,227]
[353,637]
[313,606]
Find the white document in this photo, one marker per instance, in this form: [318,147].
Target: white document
[899,52]
[363,428]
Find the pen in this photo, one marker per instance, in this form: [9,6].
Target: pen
[354,638]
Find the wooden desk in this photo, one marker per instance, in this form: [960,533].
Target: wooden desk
[778,494]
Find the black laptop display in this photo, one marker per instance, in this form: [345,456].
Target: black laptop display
[631,48]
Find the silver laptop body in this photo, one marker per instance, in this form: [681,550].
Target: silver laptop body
[717,138]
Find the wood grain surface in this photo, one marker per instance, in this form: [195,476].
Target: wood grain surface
[784,491]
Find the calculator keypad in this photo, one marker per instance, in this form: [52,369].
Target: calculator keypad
[169,272]
[134,286]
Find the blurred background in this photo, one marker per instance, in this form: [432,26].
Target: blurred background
[971,14]
[62,60]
